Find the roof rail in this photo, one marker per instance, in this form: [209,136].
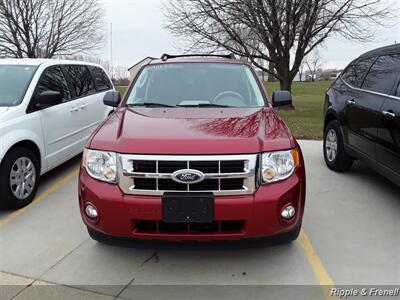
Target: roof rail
[166,56]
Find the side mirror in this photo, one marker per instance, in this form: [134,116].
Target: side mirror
[112,98]
[48,98]
[281,98]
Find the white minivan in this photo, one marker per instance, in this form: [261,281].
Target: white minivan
[48,109]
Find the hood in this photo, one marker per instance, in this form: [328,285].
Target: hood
[3,109]
[192,131]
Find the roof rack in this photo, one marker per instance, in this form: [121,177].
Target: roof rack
[166,56]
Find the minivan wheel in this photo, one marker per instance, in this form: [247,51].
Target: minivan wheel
[19,178]
[334,153]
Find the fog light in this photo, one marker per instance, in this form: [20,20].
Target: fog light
[91,211]
[288,212]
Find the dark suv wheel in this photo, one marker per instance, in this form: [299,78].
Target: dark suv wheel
[19,178]
[334,153]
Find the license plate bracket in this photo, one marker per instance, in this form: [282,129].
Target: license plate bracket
[188,207]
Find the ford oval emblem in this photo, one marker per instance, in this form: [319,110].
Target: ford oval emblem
[187,176]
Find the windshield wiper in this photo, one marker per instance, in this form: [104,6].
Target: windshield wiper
[204,105]
[153,104]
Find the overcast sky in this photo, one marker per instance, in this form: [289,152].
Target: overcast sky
[138,31]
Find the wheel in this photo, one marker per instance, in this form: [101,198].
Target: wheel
[334,153]
[19,178]
[97,236]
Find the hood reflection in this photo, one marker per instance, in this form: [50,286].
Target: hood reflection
[261,123]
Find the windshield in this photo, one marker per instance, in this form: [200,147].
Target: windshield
[14,80]
[196,84]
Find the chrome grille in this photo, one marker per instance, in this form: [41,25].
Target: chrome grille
[152,174]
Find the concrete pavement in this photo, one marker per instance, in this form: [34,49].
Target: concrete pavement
[350,238]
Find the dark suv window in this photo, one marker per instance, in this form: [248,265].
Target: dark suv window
[53,80]
[82,81]
[355,72]
[102,81]
[383,74]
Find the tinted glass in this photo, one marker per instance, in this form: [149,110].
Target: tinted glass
[53,80]
[81,80]
[355,72]
[102,81]
[398,90]
[192,84]
[14,80]
[383,74]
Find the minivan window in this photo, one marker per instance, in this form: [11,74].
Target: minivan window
[102,81]
[81,80]
[383,74]
[53,80]
[197,84]
[398,90]
[14,81]
[355,72]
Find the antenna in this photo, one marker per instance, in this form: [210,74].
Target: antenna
[111,44]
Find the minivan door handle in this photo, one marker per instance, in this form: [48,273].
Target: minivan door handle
[351,102]
[74,109]
[389,114]
[83,106]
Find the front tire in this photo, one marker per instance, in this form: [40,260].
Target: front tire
[19,178]
[290,236]
[98,236]
[334,153]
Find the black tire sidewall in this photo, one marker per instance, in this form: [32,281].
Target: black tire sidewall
[342,161]
[8,200]
[290,236]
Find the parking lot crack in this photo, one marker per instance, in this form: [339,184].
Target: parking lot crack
[62,258]
[124,288]
[153,255]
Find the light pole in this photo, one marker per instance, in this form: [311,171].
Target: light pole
[111,58]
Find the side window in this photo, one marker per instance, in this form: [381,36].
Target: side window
[81,80]
[53,79]
[102,81]
[383,74]
[398,90]
[355,72]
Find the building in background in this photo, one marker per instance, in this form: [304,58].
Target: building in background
[135,68]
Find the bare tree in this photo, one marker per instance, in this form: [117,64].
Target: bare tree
[314,62]
[121,76]
[44,28]
[279,31]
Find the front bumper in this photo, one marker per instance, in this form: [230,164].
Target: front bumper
[259,214]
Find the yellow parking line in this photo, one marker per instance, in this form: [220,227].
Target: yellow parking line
[320,272]
[40,197]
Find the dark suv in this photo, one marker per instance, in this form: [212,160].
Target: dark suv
[362,114]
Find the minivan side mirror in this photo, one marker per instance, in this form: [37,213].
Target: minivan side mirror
[48,98]
[281,98]
[112,98]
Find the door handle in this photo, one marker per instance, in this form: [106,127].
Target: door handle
[351,102]
[83,106]
[74,109]
[389,114]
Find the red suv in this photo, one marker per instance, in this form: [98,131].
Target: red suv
[194,151]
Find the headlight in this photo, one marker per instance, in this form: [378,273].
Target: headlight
[279,165]
[100,165]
